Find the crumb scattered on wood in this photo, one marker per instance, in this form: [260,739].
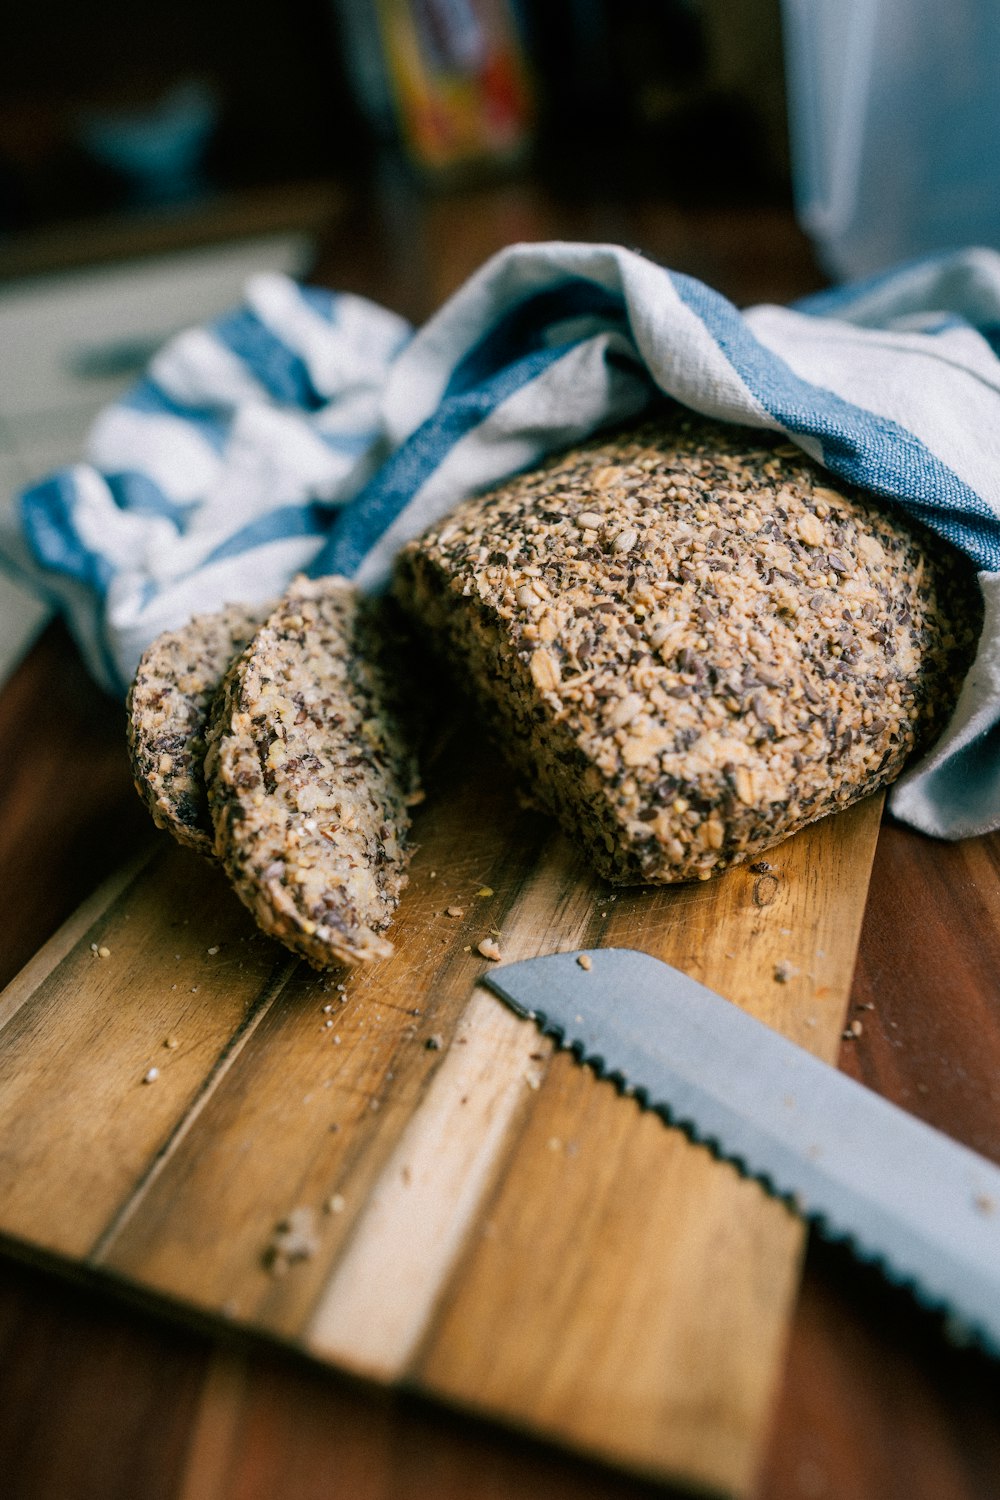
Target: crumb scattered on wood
[784,971]
[490,948]
[434,1042]
[171,1043]
[454,911]
[151,1075]
[484,891]
[294,1239]
[334,1204]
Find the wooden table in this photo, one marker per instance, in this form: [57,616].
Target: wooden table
[98,1399]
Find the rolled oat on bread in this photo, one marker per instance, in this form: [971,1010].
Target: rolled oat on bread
[308,771]
[167,709]
[691,641]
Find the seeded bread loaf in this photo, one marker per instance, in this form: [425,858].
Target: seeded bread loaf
[167,708]
[691,642]
[308,773]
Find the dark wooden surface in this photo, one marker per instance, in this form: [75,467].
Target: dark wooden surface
[99,1399]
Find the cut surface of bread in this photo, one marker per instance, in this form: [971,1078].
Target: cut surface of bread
[308,774]
[690,641]
[167,711]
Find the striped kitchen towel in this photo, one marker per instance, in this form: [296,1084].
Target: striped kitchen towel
[314,431]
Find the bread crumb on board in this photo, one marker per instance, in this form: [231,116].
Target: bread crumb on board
[294,1239]
[489,948]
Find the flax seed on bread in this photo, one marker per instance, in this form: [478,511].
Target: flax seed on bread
[691,641]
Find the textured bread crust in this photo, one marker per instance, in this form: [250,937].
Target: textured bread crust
[308,774]
[167,708]
[691,642]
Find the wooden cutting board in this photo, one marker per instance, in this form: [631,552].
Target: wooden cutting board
[472,1216]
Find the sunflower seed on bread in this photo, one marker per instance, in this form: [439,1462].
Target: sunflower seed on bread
[690,641]
[308,773]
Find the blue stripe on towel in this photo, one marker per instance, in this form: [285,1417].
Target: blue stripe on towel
[282,372]
[51,534]
[529,325]
[362,522]
[322,302]
[867,449]
[136,493]
[837,301]
[150,398]
[348,444]
[275,526]
[50,529]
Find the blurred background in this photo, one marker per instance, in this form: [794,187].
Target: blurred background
[153,155]
[119,108]
[126,126]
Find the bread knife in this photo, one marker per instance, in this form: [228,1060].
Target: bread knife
[922,1207]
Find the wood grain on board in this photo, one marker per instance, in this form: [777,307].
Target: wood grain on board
[479,1219]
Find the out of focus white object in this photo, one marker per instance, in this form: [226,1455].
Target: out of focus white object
[894,114]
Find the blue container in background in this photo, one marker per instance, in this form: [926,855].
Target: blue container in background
[894,116]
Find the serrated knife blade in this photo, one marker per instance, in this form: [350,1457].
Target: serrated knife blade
[903,1195]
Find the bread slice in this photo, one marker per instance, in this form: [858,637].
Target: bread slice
[690,641]
[309,771]
[167,709]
